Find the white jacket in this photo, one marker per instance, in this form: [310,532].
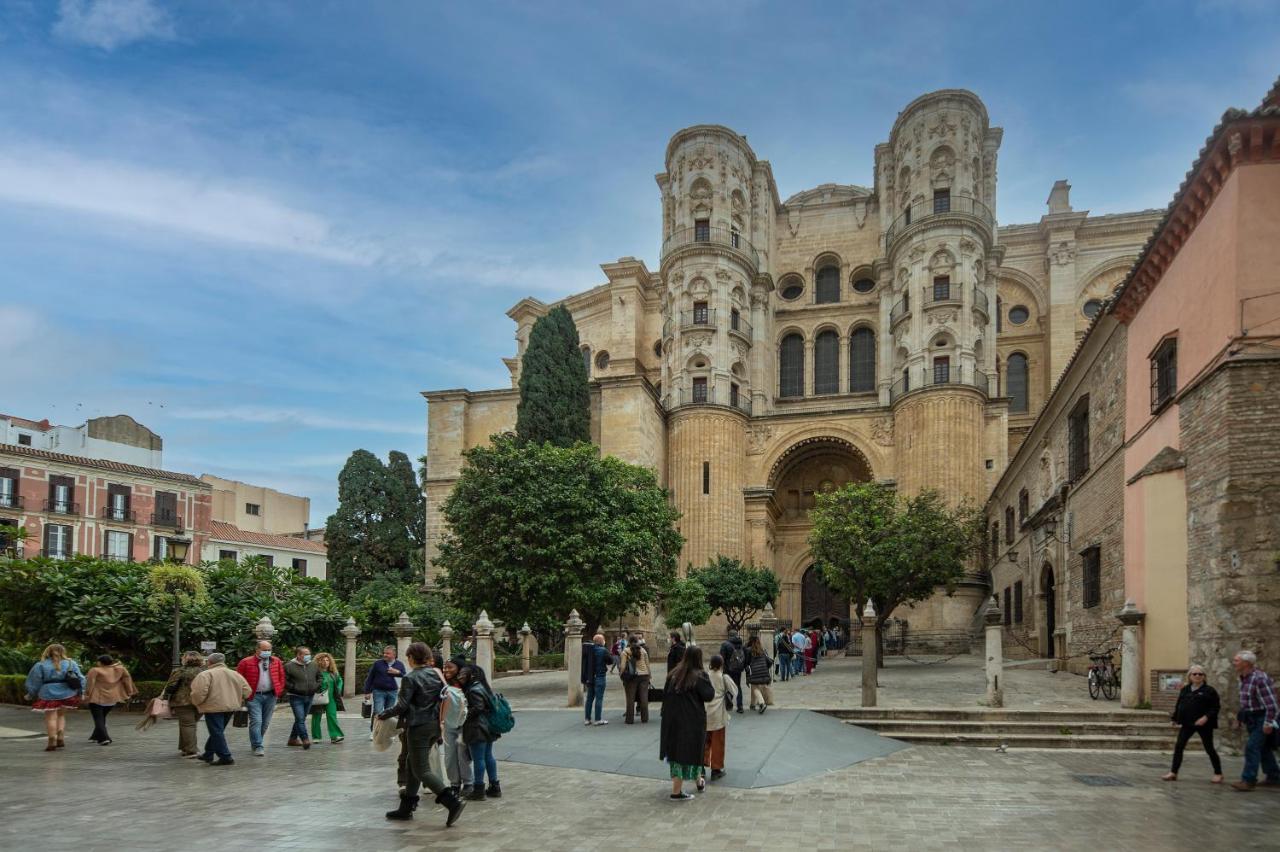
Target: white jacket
[717,711]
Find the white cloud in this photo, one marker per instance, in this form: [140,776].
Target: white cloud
[109,24]
[175,202]
[299,417]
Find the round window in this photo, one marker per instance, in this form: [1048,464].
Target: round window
[1092,307]
[864,285]
[602,361]
[1019,314]
[792,289]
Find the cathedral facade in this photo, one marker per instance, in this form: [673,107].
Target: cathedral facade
[895,333]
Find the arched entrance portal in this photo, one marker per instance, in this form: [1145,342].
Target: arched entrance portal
[820,602]
[1048,593]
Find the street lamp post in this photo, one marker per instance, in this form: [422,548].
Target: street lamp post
[176,552]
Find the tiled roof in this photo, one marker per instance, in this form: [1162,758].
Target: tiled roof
[222,531]
[102,464]
[42,425]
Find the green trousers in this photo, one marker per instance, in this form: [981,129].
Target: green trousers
[330,715]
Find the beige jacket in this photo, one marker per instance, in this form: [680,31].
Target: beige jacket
[642,661]
[219,690]
[717,713]
[108,685]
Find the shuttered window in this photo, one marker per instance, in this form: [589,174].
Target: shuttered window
[1092,576]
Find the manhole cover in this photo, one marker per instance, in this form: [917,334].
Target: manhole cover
[1101,781]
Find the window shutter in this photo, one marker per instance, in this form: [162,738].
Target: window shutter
[48,538]
[130,547]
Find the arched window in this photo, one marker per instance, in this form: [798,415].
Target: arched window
[791,366]
[828,288]
[826,363]
[862,360]
[1016,382]
[586,358]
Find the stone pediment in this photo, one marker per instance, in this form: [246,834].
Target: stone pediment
[827,193]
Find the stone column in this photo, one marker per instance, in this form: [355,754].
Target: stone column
[264,629]
[1131,655]
[403,631]
[446,639]
[768,627]
[349,660]
[484,644]
[995,654]
[524,648]
[870,660]
[573,657]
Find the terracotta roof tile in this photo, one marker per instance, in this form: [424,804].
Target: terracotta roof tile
[102,464]
[222,531]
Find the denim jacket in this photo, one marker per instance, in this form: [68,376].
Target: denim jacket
[44,681]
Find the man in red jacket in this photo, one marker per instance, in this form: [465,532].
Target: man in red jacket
[265,674]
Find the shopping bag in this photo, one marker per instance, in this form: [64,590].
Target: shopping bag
[384,732]
[366,708]
[240,719]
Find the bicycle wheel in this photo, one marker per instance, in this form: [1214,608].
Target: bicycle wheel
[1094,684]
[1109,684]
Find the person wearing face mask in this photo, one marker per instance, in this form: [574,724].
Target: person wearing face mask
[301,682]
[265,673]
[383,682]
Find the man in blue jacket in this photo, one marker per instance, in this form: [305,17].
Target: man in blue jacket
[595,665]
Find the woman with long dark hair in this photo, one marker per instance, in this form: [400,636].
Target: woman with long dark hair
[477,734]
[684,721]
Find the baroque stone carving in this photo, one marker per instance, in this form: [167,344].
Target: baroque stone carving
[942,127]
[967,245]
[1063,253]
[942,317]
[882,431]
[793,222]
[758,438]
[722,274]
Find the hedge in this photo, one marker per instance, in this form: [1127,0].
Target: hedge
[13,690]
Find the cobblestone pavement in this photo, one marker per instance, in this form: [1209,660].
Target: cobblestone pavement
[137,794]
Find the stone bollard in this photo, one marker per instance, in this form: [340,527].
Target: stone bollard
[1131,655]
[768,628]
[870,659]
[484,644]
[995,654]
[349,661]
[403,631]
[446,639]
[264,629]
[524,648]
[573,657]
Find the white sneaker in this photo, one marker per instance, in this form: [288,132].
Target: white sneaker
[259,752]
[587,723]
[602,722]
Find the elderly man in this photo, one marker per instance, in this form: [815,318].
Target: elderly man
[595,666]
[217,692]
[1258,713]
[265,674]
[301,683]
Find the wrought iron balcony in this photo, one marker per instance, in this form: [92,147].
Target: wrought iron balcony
[951,375]
[899,312]
[738,325]
[49,553]
[61,507]
[980,302]
[945,293]
[166,519]
[719,237]
[923,211]
[111,513]
[698,318]
[680,397]
[12,501]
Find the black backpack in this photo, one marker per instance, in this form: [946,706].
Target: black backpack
[738,661]
[629,671]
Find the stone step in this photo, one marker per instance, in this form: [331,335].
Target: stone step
[978,714]
[1016,741]
[896,727]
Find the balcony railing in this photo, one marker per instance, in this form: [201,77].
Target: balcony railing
[61,507]
[111,513]
[899,311]
[166,519]
[738,325]
[980,301]
[667,326]
[681,397]
[55,554]
[952,375]
[704,318]
[117,557]
[723,237]
[945,293]
[924,210]
[12,501]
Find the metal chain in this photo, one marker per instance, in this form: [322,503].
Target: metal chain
[1091,652]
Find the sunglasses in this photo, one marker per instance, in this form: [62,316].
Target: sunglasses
[1197,674]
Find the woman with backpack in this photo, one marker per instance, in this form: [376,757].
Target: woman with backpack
[54,686]
[634,668]
[783,648]
[683,739]
[457,757]
[717,719]
[759,675]
[478,733]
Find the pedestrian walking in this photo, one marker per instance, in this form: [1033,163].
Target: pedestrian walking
[418,706]
[811,650]
[301,683]
[1258,714]
[735,660]
[325,703]
[782,647]
[717,720]
[683,737]
[107,685]
[799,644]
[177,691]
[55,685]
[217,692]
[595,669]
[479,735]
[457,757]
[383,682]
[634,669]
[676,651]
[264,673]
[1196,713]
[759,673]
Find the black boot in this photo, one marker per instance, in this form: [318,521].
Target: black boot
[449,799]
[476,794]
[405,811]
[494,791]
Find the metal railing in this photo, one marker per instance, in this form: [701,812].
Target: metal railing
[899,311]
[705,318]
[117,557]
[165,519]
[924,210]
[724,237]
[681,397]
[953,375]
[740,326]
[61,507]
[12,501]
[980,301]
[111,513]
[945,293]
[56,554]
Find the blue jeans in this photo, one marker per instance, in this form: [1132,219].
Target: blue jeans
[1255,751]
[482,761]
[383,699]
[216,724]
[595,695]
[260,708]
[797,664]
[301,705]
[784,666]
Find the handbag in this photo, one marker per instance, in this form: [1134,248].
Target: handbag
[366,708]
[342,707]
[240,719]
[159,707]
[320,699]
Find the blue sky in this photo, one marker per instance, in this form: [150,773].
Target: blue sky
[262,228]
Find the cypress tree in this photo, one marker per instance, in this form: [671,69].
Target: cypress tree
[555,404]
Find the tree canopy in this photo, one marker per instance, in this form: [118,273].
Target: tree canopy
[735,590]
[555,404]
[379,522]
[685,600]
[536,530]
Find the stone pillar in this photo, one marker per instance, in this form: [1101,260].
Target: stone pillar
[768,627]
[870,660]
[446,639]
[995,654]
[1131,655]
[484,644]
[403,631]
[524,648]
[264,629]
[349,660]
[573,657]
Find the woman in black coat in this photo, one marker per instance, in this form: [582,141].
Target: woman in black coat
[684,720]
[1196,713]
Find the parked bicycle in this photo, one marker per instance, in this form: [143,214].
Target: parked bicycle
[1104,676]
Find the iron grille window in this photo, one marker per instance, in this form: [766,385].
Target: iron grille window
[828,286]
[1008,525]
[1024,505]
[1078,440]
[791,366]
[700,313]
[1017,602]
[826,363]
[702,231]
[862,360]
[24,439]
[941,370]
[733,238]
[699,389]
[1164,373]
[1092,573]
[1008,606]
[252,508]
[735,320]
[941,288]
[941,201]
[733,395]
[1016,380]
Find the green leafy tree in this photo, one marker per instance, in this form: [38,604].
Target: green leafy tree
[174,587]
[368,535]
[535,530]
[685,600]
[735,590]
[870,543]
[378,603]
[555,403]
